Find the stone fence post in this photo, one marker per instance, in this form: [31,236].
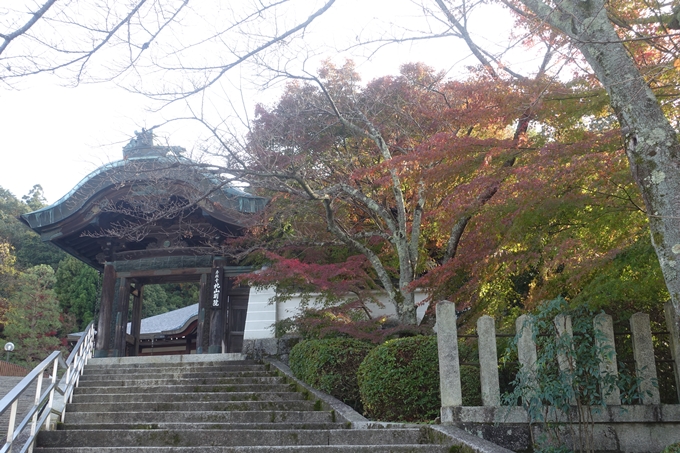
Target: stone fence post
[604,342]
[447,345]
[564,340]
[643,353]
[526,351]
[488,361]
[674,342]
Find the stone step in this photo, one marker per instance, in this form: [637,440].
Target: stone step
[233,358]
[228,438]
[194,404]
[174,369]
[186,425]
[258,449]
[148,417]
[201,381]
[201,406]
[93,365]
[186,397]
[179,374]
[179,388]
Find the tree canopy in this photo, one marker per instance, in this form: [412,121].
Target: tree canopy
[428,183]
[421,199]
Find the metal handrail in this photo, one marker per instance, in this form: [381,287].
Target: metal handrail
[74,365]
[39,414]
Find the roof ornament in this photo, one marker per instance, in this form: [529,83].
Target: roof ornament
[142,145]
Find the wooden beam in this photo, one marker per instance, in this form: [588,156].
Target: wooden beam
[165,272]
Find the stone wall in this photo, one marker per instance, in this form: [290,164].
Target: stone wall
[279,348]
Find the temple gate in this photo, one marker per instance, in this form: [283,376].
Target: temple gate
[156,217]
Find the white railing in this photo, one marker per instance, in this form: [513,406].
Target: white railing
[43,407]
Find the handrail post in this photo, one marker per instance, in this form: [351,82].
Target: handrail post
[12,423]
[34,420]
[50,402]
[67,379]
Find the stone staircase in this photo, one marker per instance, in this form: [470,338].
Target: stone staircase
[200,404]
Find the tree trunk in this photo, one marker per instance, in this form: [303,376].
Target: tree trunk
[406,309]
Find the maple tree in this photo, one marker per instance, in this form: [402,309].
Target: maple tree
[389,170]
[354,160]
[631,53]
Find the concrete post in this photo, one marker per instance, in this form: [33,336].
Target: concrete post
[674,342]
[604,342]
[447,345]
[488,361]
[643,353]
[526,351]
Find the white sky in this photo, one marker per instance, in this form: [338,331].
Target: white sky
[54,136]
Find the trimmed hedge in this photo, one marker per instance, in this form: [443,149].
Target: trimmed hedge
[399,380]
[331,365]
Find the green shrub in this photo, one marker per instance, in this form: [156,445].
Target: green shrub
[399,380]
[674,448]
[330,365]
[470,385]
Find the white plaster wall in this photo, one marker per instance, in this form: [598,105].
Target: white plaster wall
[262,314]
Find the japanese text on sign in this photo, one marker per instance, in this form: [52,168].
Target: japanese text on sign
[217,289]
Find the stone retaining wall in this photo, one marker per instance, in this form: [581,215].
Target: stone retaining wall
[646,428]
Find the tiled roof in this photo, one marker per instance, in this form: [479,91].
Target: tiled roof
[171,322]
[164,324]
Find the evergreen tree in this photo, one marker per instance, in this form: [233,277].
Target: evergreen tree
[78,289]
[29,249]
[35,199]
[33,316]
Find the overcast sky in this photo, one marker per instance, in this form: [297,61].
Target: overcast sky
[54,136]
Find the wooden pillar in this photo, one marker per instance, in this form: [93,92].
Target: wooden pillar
[105,311]
[217,312]
[228,284]
[136,327]
[123,306]
[188,349]
[203,327]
